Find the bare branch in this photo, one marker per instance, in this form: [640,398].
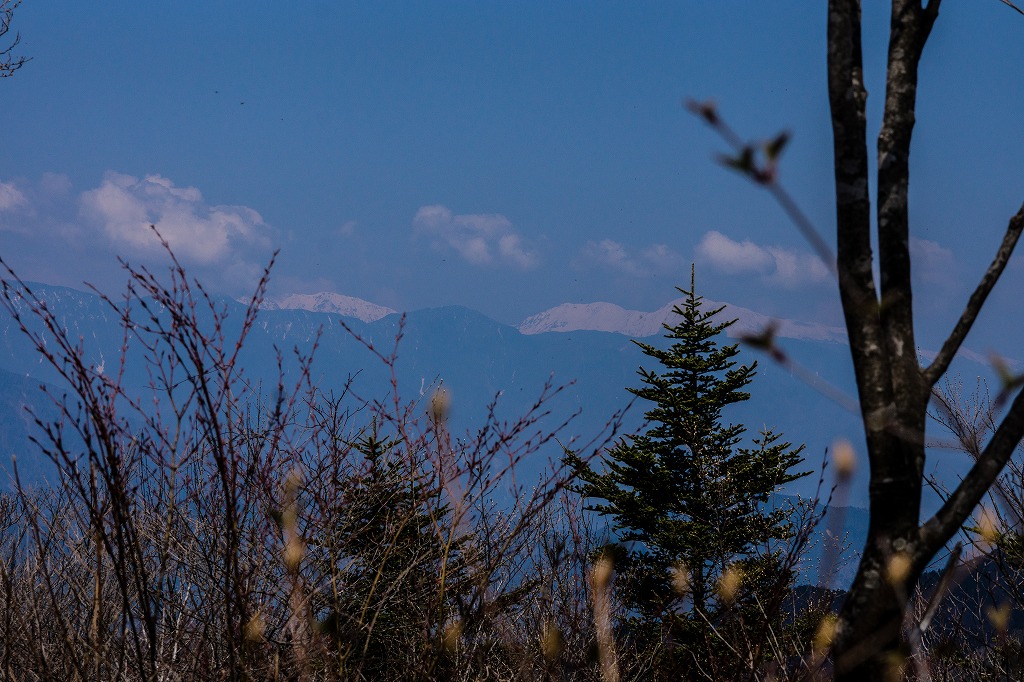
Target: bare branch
[941,589]
[9,62]
[803,223]
[983,474]
[952,344]
[764,173]
[1010,4]
[915,636]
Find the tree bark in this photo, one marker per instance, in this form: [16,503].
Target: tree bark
[893,388]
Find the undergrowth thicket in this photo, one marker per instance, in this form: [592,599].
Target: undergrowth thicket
[207,528]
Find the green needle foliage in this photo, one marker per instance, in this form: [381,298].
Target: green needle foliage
[691,508]
[395,541]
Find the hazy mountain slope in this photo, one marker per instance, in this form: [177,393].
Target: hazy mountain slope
[475,358]
[21,403]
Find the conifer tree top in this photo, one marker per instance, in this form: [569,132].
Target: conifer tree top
[686,491]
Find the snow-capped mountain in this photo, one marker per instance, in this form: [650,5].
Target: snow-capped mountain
[329,302]
[476,359]
[608,317]
[572,317]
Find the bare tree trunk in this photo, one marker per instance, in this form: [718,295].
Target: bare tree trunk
[893,387]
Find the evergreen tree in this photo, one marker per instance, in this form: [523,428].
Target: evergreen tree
[686,496]
[393,533]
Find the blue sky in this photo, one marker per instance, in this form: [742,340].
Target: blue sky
[504,156]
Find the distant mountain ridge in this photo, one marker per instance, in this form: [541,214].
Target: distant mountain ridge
[608,317]
[476,358]
[573,317]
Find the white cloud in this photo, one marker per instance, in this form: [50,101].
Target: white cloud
[733,257]
[776,265]
[932,263]
[226,247]
[481,239]
[511,248]
[11,197]
[42,209]
[612,255]
[793,268]
[663,258]
[124,207]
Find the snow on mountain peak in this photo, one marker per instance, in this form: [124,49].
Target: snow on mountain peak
[608,317]
[329,302]
[601,317]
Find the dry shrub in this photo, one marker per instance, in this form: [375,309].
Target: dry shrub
[207,527]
